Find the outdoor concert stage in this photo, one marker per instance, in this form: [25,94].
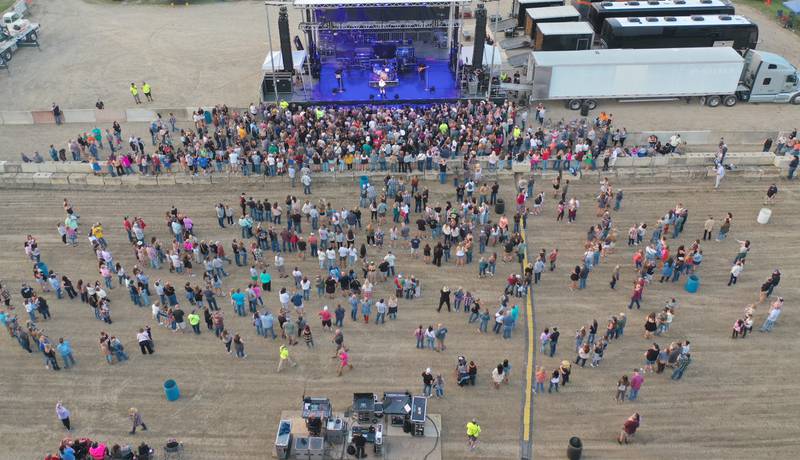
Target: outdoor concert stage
[409,48]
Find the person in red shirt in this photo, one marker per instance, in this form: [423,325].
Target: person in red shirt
[629,428]
[325,316]
[636,296]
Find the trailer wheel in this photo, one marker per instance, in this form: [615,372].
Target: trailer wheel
[6,55]
[591,103]
[796,100]
[729,101]
[713,101]
[33,37]
[702,100]
[574,104]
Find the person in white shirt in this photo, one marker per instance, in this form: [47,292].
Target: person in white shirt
[720,174]
[736,270]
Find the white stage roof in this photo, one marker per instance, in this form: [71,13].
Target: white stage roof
[374,3]
[298,59]
[466,55]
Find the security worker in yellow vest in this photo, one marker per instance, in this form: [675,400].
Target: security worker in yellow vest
[473,431]
[147,92]
[135,93]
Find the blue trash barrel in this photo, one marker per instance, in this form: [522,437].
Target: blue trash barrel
[171,390]
[692,284]
[364,181]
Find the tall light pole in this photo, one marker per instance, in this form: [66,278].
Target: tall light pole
[271,55]
[494,41]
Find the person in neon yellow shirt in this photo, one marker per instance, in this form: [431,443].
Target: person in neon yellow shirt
[473,431]
[194,321]
[148,92]
[284,354]
[135,93]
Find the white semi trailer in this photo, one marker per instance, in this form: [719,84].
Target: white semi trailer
[717,76]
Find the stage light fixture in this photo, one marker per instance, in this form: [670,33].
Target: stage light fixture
[371,97]
[396,96]
[432,88]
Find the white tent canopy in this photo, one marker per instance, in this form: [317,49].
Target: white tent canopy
[298,60]
[466,55]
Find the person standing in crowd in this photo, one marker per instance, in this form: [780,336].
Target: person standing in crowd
[473,431]
[63,415]
[629,429]
[136,419]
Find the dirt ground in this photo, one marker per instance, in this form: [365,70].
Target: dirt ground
[230,408]
[212,53]
[736,397]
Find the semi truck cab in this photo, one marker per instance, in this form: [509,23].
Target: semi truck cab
[768,77]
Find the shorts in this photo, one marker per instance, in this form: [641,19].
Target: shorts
[326,323]
[472,438]
[181,325]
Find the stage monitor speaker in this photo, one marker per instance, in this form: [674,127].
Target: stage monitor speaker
[286,41]
[284,83]
[480,36]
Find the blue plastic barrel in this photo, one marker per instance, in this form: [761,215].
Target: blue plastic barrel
[171,390]
[692,284]
[364,181]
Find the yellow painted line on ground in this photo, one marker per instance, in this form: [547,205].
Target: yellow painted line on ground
[526,416]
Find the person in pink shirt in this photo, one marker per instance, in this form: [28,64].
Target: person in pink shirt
[636,383]
[98,451]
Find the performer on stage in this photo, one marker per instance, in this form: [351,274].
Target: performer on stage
[382,87]
[339,81]
[421,69]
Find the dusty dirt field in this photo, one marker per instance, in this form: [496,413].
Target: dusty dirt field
[736,397]
[230,408]
[212,53]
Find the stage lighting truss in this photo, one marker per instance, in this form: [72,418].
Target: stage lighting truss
[375,25]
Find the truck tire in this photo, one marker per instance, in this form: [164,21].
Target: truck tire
[33,37]
[6,56]
[574,104]
[729,100]
[795,100]
[713,101]
[702,100]
[591,103]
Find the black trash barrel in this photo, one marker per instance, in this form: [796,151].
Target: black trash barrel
[584,109]
[500,206]
[574,448]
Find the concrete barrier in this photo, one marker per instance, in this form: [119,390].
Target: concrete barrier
[108,180]
[31,167]
[181,179]
[110,116]
[43,117]
[91,179]
[201,180]
[79,116]
[166,180]
[148,180]
[58,178]
[42,178]
[10,178]
[70,167]
[78,179]
[24,179]
[140,115]
[129,180]
[17,117]
[7,167]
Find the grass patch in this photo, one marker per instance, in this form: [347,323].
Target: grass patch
[5,4]
[771,10]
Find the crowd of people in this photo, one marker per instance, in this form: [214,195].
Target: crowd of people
[361,250]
